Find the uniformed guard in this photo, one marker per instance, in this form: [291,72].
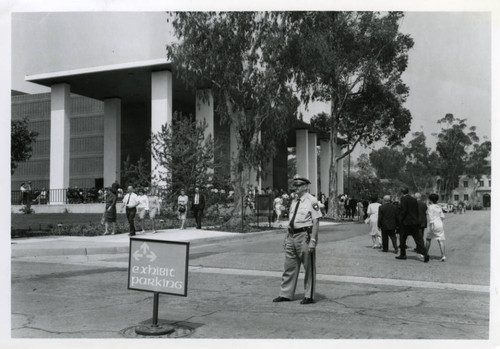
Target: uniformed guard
[300,243]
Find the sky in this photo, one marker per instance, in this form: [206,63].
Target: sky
[449,68]
[449,71]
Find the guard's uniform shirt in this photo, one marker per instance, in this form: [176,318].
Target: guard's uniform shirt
[307,211]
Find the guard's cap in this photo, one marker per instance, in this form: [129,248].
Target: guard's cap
[297,181]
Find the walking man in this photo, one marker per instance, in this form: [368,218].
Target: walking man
[198,206]
[422,214]
[130,202]
[388,223]
[409,225]
[300,244]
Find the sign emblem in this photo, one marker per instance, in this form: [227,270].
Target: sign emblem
[143,252]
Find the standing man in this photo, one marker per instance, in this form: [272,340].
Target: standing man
[130,202]
[198,206]
[347,206]
[300,244]
[353,203]
[388,222]
[422,214]
[409,225]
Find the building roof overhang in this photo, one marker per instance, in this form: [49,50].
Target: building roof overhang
[131,82]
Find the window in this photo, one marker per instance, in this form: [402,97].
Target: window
[466,184]
[466,197]
[456,197]
[481,183]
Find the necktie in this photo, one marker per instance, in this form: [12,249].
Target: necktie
[292,222]
[128,200]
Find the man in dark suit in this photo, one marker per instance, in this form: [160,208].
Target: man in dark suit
[388,222]
[353,203]
[409,223]
[422,214]
[198,205]
[347,206]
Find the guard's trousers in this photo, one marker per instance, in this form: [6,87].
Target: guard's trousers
[297,253]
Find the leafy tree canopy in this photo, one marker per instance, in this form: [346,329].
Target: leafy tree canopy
[21,142]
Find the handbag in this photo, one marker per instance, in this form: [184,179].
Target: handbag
[182,208]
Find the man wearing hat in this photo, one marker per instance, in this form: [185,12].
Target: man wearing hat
[300,243]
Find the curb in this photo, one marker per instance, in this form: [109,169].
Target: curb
[124,247]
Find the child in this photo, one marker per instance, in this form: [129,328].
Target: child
[436,230]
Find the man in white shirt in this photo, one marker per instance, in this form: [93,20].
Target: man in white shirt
[130,202]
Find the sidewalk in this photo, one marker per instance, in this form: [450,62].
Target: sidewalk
[113,244]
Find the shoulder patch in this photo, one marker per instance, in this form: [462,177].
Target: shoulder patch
[316,206]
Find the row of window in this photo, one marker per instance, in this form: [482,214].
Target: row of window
[456,197]
[481,183]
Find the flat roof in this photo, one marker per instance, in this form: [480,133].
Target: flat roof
[131,81]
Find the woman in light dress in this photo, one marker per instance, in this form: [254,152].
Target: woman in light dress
[436,229]
[143,207]
[154,207]
[372,220]
[182,205]
[278,207]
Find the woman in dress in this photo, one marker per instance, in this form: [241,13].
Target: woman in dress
[182,205]
[143,207]
[436,229]
[278,207]
[154,207]
[372,219]
[110,211]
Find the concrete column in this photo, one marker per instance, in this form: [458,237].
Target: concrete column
[313,163]
[325,162]
[205,112]
[112,140]
[267,180]
[340,173]
[161,114]
[60,103]
[302,153]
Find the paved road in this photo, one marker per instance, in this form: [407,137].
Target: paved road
[362,293]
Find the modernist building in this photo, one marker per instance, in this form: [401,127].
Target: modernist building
[94,118]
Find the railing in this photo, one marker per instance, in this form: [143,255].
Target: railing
[65,196]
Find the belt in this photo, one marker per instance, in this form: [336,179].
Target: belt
[299,230]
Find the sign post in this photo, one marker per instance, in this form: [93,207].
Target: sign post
[158,266]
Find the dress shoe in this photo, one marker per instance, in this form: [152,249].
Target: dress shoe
[426,258]
[307,301]
[443,259]
[281,299]
[396,251]
[400,257]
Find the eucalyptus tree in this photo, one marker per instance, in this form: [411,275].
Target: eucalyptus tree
[238,56]
[354,60]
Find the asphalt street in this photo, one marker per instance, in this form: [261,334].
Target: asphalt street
[362,293]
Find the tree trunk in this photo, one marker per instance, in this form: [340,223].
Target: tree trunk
[333,203]
[240,184]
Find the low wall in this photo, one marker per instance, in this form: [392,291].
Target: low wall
[70,208]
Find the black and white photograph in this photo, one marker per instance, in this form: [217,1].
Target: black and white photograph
[275,174]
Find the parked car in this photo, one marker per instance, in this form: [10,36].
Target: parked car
[445,207]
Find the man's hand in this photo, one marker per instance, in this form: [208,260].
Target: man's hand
[312,245]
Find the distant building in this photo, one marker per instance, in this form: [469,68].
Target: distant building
[473,191]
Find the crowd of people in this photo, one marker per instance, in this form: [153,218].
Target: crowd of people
[411,216]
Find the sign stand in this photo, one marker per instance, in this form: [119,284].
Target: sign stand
[154,329]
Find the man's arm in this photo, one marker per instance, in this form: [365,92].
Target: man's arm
[314,234]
